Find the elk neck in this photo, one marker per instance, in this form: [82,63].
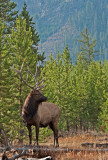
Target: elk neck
[29,108]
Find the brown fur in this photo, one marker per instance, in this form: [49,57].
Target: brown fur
[41,114]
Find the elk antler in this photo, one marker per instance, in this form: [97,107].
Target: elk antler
[20,74]
[25,81]
[37,84]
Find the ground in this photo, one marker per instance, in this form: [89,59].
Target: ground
[86,146]
[81,146]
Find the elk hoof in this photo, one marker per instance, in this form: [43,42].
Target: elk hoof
[57,145]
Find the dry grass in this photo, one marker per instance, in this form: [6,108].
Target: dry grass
[83,156]
[83,153]
[74,142]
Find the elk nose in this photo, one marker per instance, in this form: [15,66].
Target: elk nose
[45,98]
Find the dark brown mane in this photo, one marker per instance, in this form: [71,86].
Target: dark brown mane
[30,107]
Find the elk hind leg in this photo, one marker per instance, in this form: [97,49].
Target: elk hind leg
[54,128]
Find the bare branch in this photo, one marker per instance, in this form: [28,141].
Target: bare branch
[19,155]
[16,156]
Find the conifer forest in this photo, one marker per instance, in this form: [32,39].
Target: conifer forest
[74,78]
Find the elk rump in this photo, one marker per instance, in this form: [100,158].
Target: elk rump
[39,113]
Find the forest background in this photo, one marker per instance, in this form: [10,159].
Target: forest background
[80,89]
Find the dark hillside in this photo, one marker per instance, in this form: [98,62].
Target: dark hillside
[51,17]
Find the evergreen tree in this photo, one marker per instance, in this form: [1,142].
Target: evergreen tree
[20,50]
[8,13]
[48,75]
[87,46]
[79,95]
[4,81]
[56,76]
[103,116]
[35,36]
[66,86]
[2,26]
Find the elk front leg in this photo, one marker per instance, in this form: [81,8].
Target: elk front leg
[37,133]
[30,134]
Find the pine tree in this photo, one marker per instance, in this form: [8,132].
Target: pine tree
[35,36]
[3,59]
[79,95]
[2,26]
[103,116]
[20,42]
[56,76]
[8,13]
[66,86]
[4,80]
[20,50]
[48,76]
[87,46]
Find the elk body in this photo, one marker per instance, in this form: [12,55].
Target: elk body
[36,111]
[39,113]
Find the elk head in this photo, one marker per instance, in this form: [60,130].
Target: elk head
[37,96]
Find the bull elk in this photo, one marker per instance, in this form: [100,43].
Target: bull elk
[36,111]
